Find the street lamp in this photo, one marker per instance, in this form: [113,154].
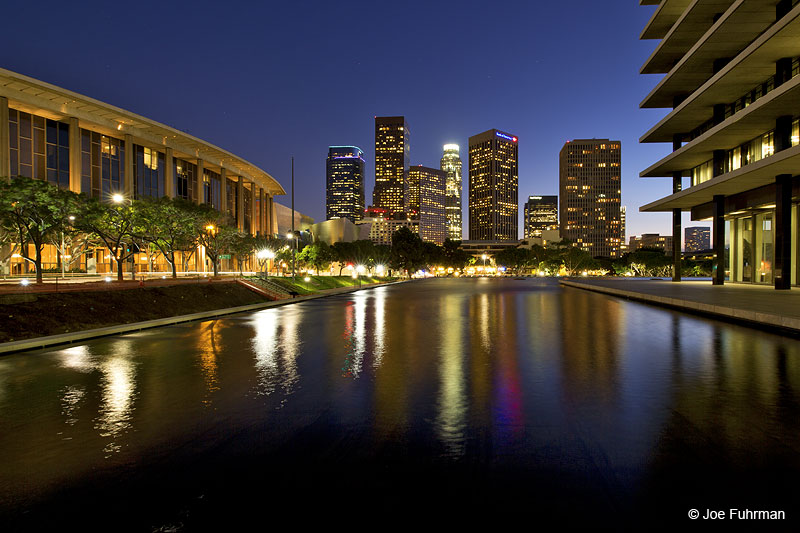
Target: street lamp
[484,262]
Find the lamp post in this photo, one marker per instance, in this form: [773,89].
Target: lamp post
[484,263]
[212,233]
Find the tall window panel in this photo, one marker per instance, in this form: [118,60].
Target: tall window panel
[102,164]
[184,174]
[39,148]
[212,188]
[148,172]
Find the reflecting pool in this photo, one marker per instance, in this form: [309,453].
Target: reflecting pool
[455,398]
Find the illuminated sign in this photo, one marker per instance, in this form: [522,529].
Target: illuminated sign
[506,136]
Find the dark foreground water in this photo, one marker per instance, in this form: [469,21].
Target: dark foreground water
[448,400]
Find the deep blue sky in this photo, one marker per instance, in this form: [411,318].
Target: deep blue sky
[272,80]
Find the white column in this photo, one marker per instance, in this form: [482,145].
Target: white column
[169,176]
[5,153]
[128,181]
[74,155]
[198,183]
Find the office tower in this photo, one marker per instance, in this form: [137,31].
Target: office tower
[451,164]
[391,163]
[652,241]
[589,195]
[730,83]
[540,213]
[697,239]
[623,211]
[344,183]
[427,188]
[493,176]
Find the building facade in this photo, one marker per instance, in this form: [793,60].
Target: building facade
[731,84]
[651,240]
[493,186]
[451,164]
[344,191]
[90,147]
[426,202]
[697,239]
[590,191]
[391,163]
[540,214]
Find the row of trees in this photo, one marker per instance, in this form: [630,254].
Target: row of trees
[34,214]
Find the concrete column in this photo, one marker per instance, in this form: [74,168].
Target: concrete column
[198,182]
[783,232]
[676,230]
[783,71]
[5,153]
[74,155]
[262,209]
[169,175]
[718,245]
[223,188]
[128,180]
[271,215]
[783,133]
[253,209]
[240,203]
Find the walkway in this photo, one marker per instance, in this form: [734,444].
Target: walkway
[755,305]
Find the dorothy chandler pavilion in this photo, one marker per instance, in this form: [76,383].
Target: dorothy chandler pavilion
[731,80]
[91,147]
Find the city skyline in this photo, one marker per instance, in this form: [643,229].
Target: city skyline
[268,122]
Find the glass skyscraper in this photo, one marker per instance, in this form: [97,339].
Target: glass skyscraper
[540,214]
[344,171]
[493,184]
[391,164]
[451,165]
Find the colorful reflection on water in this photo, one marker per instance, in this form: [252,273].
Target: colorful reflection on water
[473,375]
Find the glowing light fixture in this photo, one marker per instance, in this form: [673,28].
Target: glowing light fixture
[117,198]
[24,282]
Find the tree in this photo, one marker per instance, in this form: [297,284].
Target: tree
[576,260]
[344,253]
[453,256]
[169,224]
[35,211]
[115,224]
[241,246]
[318,255]
[407,251]
[214,232]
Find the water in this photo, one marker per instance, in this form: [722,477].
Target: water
[459,399]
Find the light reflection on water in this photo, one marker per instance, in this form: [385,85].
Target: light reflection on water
[276,345]
[470,371]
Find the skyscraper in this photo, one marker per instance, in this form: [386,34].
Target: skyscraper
[391,163]
[493,176]
[345,183]
[589,195]
[451,164]
[697,239]
[426,202]
[730,85]
[540,213]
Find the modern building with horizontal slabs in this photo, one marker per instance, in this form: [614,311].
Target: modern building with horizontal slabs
[731,84]
[91,147]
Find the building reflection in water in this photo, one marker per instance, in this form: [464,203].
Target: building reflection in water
[118,390]
[451,419]
[355,338]
[276,345]
[208,347]
[378,330]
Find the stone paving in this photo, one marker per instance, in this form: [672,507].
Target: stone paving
[758,305]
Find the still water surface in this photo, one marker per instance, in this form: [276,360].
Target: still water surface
[462,398]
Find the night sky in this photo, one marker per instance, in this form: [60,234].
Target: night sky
[272,80]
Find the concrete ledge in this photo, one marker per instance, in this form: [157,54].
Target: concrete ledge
[69,338]
[744,316]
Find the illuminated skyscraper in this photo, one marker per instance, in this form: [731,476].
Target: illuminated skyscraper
[391,163]
[451,164]
[590,194]
[540,213]
[697,239]
[345,183]
[426,202]
[493,176]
